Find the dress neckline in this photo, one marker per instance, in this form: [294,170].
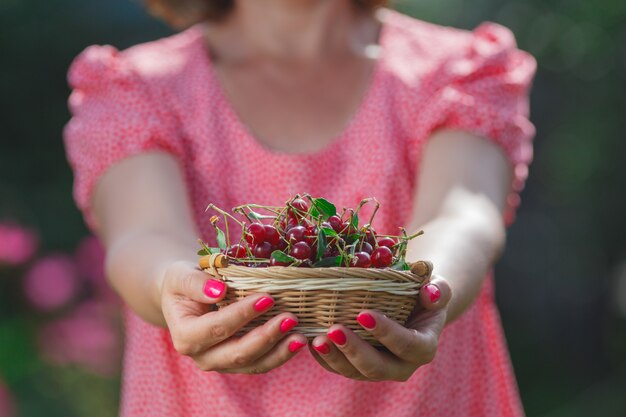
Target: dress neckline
[248,138]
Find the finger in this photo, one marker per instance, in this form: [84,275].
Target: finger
[196,334]
[436,294]
[410,345]
[184,279]
[242,351]
[326,351]
[370,362]
[281,353]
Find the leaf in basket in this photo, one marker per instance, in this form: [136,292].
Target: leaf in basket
[283,257]
[203,252]
[328,231]
[324,207]
[321,244]
[221,238]
[255,215]
[326,262]
[400,265]
[354,221]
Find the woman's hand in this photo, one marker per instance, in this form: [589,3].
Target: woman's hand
[343,352]
[187,298]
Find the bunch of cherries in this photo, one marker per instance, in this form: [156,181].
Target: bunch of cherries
[307,232]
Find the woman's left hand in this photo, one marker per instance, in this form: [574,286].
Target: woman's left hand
[407,348]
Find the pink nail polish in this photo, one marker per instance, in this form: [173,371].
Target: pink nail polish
[263,304]
[214,288]
[287,325]
[295,346]
[366,320]
[338,337]
[324,349]
[433,292]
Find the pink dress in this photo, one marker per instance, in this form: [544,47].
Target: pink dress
[164,96]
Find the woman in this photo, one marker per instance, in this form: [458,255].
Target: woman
[258,100]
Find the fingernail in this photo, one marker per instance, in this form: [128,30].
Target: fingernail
[324,349]
[295,346]
[287,325]
[214,288]
[433,292]
[338,337]
[366,320]
[263,304]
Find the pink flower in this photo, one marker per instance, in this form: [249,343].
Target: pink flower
[7,405]
[89,337]
[89,256]
[17,244]
[51,282]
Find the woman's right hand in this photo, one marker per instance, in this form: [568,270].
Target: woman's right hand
[187,299]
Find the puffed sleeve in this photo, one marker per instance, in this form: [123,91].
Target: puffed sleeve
[486,93]
[114,116]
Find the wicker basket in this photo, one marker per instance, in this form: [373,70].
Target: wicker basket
[321,297]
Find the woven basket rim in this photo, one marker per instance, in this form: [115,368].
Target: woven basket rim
[331,273]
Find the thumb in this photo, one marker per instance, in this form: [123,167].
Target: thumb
[184,279]
[436,294]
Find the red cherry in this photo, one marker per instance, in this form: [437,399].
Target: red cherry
[336,223]
[386,241]
[366,247]
[370,236]
[347,229]
[275,262]
[361,260]
[255,233]
[301,205]
[271,235]
[295,234]
[300,250]
[263,250]
[310,236]
[382,257]
[236,251]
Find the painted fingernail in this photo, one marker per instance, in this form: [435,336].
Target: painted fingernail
[433,292]
[214,288]
[324,349]
[366,320]
[295,346]
[287,325]
[338,337]
[263,304]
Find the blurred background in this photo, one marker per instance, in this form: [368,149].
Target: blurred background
[561,286]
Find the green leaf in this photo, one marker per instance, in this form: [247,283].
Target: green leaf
[354,221]
[283,257]
[221,238]
[352,238]
[325,207]
[400,265]
[203,252]
[321,244]
[326,262]
[329,232]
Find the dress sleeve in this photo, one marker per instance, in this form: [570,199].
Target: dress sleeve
[487,94]
[113,117]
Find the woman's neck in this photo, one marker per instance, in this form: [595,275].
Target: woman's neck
[289,30]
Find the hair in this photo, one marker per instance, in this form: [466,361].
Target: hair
[184,13]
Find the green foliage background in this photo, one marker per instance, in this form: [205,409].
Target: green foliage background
[557,285]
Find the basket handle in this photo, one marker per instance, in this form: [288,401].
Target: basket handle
[212,262]
[422,269]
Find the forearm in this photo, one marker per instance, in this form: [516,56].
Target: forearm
[462,241]
[136,264]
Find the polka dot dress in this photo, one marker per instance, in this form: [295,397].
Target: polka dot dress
[164,96]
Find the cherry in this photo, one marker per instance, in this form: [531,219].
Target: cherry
[336,223]
[366,247]
[382,257]
[275,262]
[236,251]
[300,250]
[295,234]
[263,250]
[370,236]
[361,260]
[311,235]
[255,233]
[347,229]
[387,241]
[271,235]
[301,206]
[326,225]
